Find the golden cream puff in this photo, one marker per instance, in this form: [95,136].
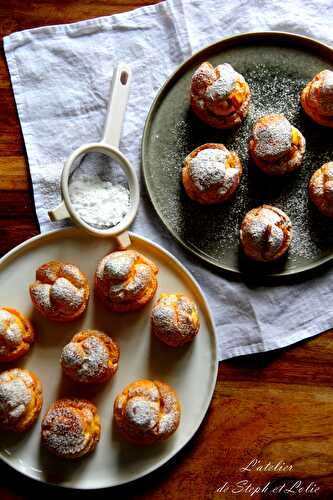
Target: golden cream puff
[276,147]
[147,411]
[175,319]
[211,174]
[16,334]
[220,96]
[60,292]
[321,189]
[265,233]
[91,357]
[317,98]
[71,428]
[125,280]
[21,399]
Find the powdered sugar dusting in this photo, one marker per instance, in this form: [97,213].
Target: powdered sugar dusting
[63,431]
[127,274]
[320,95]
[15,395]
[224,84]
[208,168]
[150,408]
[118,265]
[99,202]
[10,332]
[262,228]
[258,230]
[90,358]
[169,416]
[41,294]
[60,289]
[173,315]
[273,137]
[328,83]
[230,175]
[323,180]
[150,392]
[5,316]
[142,413]
[73,274]
[66,295]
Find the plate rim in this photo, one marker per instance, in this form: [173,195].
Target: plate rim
[9,256]
[251,36]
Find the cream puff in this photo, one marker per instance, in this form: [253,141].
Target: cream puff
[125,280]
[16,334]
[321,189]
[265,233]
[211,174]
[147,411]
[60,292]
[276,146]
[91,357]
[175,319]
[71,428]
[317,98]
[220,96]
[21,399]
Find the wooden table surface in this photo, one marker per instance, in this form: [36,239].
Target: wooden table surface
[276,408]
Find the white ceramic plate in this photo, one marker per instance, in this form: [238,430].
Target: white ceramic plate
[191,370]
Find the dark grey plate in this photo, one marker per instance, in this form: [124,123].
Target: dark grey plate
[276,66]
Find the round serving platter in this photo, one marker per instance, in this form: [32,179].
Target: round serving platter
[277,66]
[191,370]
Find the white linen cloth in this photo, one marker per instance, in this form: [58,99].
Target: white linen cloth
[61,75]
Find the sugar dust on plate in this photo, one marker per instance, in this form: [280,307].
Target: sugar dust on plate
[98,202]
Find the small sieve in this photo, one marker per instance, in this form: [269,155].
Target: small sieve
[109,146]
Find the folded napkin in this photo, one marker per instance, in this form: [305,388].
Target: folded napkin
[61,75]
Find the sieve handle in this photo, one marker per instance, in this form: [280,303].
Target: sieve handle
[58,213]
[117,104]
[123,240]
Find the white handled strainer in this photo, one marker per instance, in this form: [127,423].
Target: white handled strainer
[109,145]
